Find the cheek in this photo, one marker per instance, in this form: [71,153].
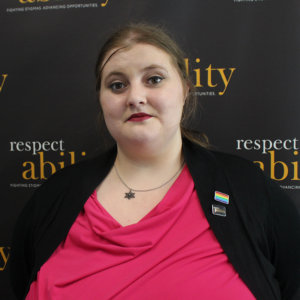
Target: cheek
[174,99]
[170,109]
[108,105]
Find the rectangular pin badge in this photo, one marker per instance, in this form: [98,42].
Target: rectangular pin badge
[221,197]
[218,210]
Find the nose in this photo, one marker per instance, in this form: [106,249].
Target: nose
[136,95]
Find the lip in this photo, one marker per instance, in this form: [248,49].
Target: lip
[139,117]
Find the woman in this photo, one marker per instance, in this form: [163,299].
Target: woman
[158,216]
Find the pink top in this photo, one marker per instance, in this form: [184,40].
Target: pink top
[171,253]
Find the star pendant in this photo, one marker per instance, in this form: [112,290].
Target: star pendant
[129,195]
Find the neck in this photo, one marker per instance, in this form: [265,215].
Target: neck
[150,153]
[138,165]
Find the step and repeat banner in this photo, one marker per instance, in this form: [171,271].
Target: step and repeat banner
[242,56]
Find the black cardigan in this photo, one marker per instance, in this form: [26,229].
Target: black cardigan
[260,233]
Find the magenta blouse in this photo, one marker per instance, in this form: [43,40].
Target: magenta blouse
[171,253]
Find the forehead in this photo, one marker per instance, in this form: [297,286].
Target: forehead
[137,56]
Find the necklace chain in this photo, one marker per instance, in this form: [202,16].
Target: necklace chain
[130,194]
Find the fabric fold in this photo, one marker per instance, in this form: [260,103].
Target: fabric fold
[171,253]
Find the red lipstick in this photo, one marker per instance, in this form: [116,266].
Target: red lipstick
[139,117]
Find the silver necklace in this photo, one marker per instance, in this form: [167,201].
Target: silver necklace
[131,193]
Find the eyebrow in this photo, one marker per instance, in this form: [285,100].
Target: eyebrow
[154,67]
[151,67]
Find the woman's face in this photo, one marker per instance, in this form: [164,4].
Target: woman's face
[142,95]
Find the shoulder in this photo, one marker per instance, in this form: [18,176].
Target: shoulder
[238,177]
[70,186]
[239,167]
[246,181]
[247,177]
[255,192]
[232,164]
[80,172]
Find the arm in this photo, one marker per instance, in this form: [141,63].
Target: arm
[22,256]
[285,241]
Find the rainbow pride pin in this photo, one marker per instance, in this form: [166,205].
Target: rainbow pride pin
[221,197]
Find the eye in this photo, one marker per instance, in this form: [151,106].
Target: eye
[117,86]
[155,79]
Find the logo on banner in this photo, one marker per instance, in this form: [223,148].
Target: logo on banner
[39,166]
[2,81]
[103,2]
[32,1]
[4,256]
[215,80]
[39,5]
[272,161]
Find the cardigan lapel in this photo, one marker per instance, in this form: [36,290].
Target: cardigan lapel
[210,176]
[72,191]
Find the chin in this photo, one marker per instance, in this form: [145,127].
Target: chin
[142,139]
[138,139]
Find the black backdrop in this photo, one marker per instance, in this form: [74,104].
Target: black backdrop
[241,55]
